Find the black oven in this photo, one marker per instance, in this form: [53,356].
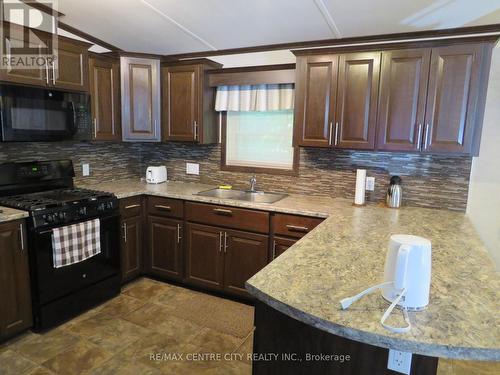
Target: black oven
[37,114]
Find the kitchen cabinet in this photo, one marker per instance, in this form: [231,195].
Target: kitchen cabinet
[15,294]
[105,96]
[70,69]
[204,256]
[452,99]
[280,245]
[356,112]
[316,91]
[140,99]
[132,237]
[165,244]
[188,112]
[403,93]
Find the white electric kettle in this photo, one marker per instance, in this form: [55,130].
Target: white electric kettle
[407,278]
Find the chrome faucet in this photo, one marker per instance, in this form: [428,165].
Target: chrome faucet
[253,182]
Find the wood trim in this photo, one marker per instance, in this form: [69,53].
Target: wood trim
[232,168]
[252,75]
[42,7]
[451,32]
[207,62]
[89,37]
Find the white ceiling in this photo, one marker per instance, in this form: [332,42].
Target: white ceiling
[181,26]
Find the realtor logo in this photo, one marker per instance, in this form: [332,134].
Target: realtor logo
[28,35]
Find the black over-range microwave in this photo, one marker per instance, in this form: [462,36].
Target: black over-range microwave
[36,114]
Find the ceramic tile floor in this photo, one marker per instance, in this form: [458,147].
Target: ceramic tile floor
[153,317]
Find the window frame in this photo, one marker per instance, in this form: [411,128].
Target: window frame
[238,168]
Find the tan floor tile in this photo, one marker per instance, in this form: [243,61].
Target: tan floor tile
[230,368]
[210,341]
[110,333]
[120,365]
[40,370]
[121,305]
[475,368]
[145,289]
[444,367]
[175,295]
[246,349]
[12,363]
[43,346]
[80,358]
[151,315]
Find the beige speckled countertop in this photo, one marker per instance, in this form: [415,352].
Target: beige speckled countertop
[9,214]
[346,254]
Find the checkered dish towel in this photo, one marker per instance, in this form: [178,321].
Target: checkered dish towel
[75,243]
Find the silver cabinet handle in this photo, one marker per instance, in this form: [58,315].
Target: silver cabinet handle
[222,211]
[94,120]
[195,131]
[336,133]
[426,136]
[220,242]
[179,238]
[225,242]
[419,136]
[21,232]
[132,206]
[47,72]
[274,249]
[53,74]
[124,226]
[330,134]
[297,228]
[163,208]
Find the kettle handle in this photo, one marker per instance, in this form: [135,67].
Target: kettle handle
[401,267]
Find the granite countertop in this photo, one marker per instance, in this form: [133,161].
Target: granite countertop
[346,254]
[9,214]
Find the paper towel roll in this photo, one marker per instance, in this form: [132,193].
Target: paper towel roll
[359,196]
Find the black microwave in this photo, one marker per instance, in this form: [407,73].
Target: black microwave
[30,114]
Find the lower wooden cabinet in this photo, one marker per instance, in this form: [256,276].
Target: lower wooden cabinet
[132,241]
[15,294]
[280,245]
[223,259]
[165,247]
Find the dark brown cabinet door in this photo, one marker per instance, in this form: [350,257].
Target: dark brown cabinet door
[132,247]
[280,245]
[105,96]
[15,295]
[70,71]
[316,88]
[245,254]
[165,243]
[204,255]
[180,90]
[403,92]
[451,99]
[356,113]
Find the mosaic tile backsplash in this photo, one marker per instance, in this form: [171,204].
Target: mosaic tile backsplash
[428,180]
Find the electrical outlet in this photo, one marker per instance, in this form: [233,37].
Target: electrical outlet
[86,169]
[192,168]
[399,361]
[370,183]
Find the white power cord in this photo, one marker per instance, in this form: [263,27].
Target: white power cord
[346,302]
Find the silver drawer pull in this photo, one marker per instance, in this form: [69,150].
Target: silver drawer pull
[220,241]
[274,249]
[179,238]
[132,206]
[124,236]
[163,208]
[22,237]
[297,228]
[222,211]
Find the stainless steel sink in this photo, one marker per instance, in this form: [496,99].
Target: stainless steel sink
[248,196]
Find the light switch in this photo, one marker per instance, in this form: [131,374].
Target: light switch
[86,169]
[192,168]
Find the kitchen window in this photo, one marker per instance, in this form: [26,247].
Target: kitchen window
[257,128]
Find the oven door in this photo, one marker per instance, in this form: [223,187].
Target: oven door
[36,114]
[51,283]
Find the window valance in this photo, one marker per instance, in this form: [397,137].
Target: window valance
[264,97]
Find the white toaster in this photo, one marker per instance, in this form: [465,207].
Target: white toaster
[156,175]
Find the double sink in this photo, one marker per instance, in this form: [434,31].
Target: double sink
[241,195]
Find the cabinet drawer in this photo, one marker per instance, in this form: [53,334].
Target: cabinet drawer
[130,207]
[230,217]
[166,207]
[294,226]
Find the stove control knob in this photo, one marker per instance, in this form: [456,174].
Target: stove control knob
[82,211]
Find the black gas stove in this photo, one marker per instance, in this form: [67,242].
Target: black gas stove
[61,206]
[45,189]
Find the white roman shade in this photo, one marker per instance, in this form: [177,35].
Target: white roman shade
[260,98]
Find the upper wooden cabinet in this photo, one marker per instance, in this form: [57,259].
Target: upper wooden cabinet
[315,99]
[356,114]
[403,92]
[140,94]
[15,309]
[452,98]
[188,112]
[70,69]
[105,96]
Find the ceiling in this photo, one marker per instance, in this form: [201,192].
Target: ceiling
[182,26]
